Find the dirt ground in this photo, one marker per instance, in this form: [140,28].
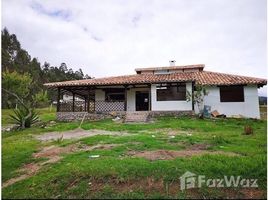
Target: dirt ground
[193,150]
[76,134]
[53,155]
[151,185]
[173,132]
[170,154]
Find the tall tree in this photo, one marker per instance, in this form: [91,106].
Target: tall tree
[16,59]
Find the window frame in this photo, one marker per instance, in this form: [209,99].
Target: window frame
[114,91]
[233,93]
[169,86]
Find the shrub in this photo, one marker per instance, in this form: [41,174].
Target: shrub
[248,130]
[24,118]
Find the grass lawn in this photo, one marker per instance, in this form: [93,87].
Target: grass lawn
[116,174]
[45,114]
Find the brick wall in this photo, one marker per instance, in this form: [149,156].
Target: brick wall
[78,116]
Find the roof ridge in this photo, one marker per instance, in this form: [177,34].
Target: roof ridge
[170,67]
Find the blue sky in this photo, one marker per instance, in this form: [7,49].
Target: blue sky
[112,37]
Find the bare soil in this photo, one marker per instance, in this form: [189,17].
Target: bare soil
[193,150]
[76,134]
[173,132]
[53,154]
[151,185]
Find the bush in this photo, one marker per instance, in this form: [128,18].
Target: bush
[20,117]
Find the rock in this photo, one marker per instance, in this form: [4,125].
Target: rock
[116,119]
[112,114]
[9,128]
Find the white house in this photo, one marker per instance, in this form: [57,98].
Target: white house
[162,89]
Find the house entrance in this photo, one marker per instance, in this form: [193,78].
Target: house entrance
[142,100]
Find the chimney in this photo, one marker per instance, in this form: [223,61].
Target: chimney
[172,62]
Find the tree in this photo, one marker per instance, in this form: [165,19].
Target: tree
[17,86]
[41,98]
[198,97]
[15,83]
[16,59]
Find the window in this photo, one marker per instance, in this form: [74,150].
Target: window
[114,95]
[171,92]
[161,72]
[232,93]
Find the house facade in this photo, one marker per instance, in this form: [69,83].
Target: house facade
[159,90]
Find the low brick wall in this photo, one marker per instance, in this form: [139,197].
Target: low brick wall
[78,116]
[171,113]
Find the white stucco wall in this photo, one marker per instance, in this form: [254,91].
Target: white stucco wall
[170,105]
[248,108]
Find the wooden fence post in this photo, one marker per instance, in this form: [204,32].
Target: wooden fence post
[58,100]
[73,101]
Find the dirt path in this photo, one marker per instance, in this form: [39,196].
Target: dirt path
[53,154]
[170,154]
[77,133]
[193,150]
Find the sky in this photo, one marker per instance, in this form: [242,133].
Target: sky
[113,37]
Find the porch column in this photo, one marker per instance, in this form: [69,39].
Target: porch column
[193,95]
[73,101]
[149,99]
[125,104]
[85,103]
[88,99]
[58,100]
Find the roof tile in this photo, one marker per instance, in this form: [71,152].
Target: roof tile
[201,78]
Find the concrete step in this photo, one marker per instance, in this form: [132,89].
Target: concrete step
[139,116]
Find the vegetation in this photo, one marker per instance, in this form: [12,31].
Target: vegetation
[115,174]
[198,97]
[21,118]
[25,76]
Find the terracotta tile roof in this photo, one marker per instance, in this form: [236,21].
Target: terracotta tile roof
[214,78]
[197,66]
[128,79]
[201,78]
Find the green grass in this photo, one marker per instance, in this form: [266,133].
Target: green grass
[263,112]
[45,114]
[77,176]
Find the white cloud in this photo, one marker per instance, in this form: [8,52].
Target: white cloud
[112,37]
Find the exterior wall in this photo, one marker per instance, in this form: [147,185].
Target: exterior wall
[78,116]
[99,95]
[248,108]
[102,106]
[170,105]
[131,98]
[147,72]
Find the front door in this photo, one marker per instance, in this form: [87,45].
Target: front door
[142,101]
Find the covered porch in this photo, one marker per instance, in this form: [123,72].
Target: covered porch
[101,99]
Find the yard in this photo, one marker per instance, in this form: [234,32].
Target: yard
[114,160]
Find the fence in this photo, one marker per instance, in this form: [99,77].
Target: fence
[91,106]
